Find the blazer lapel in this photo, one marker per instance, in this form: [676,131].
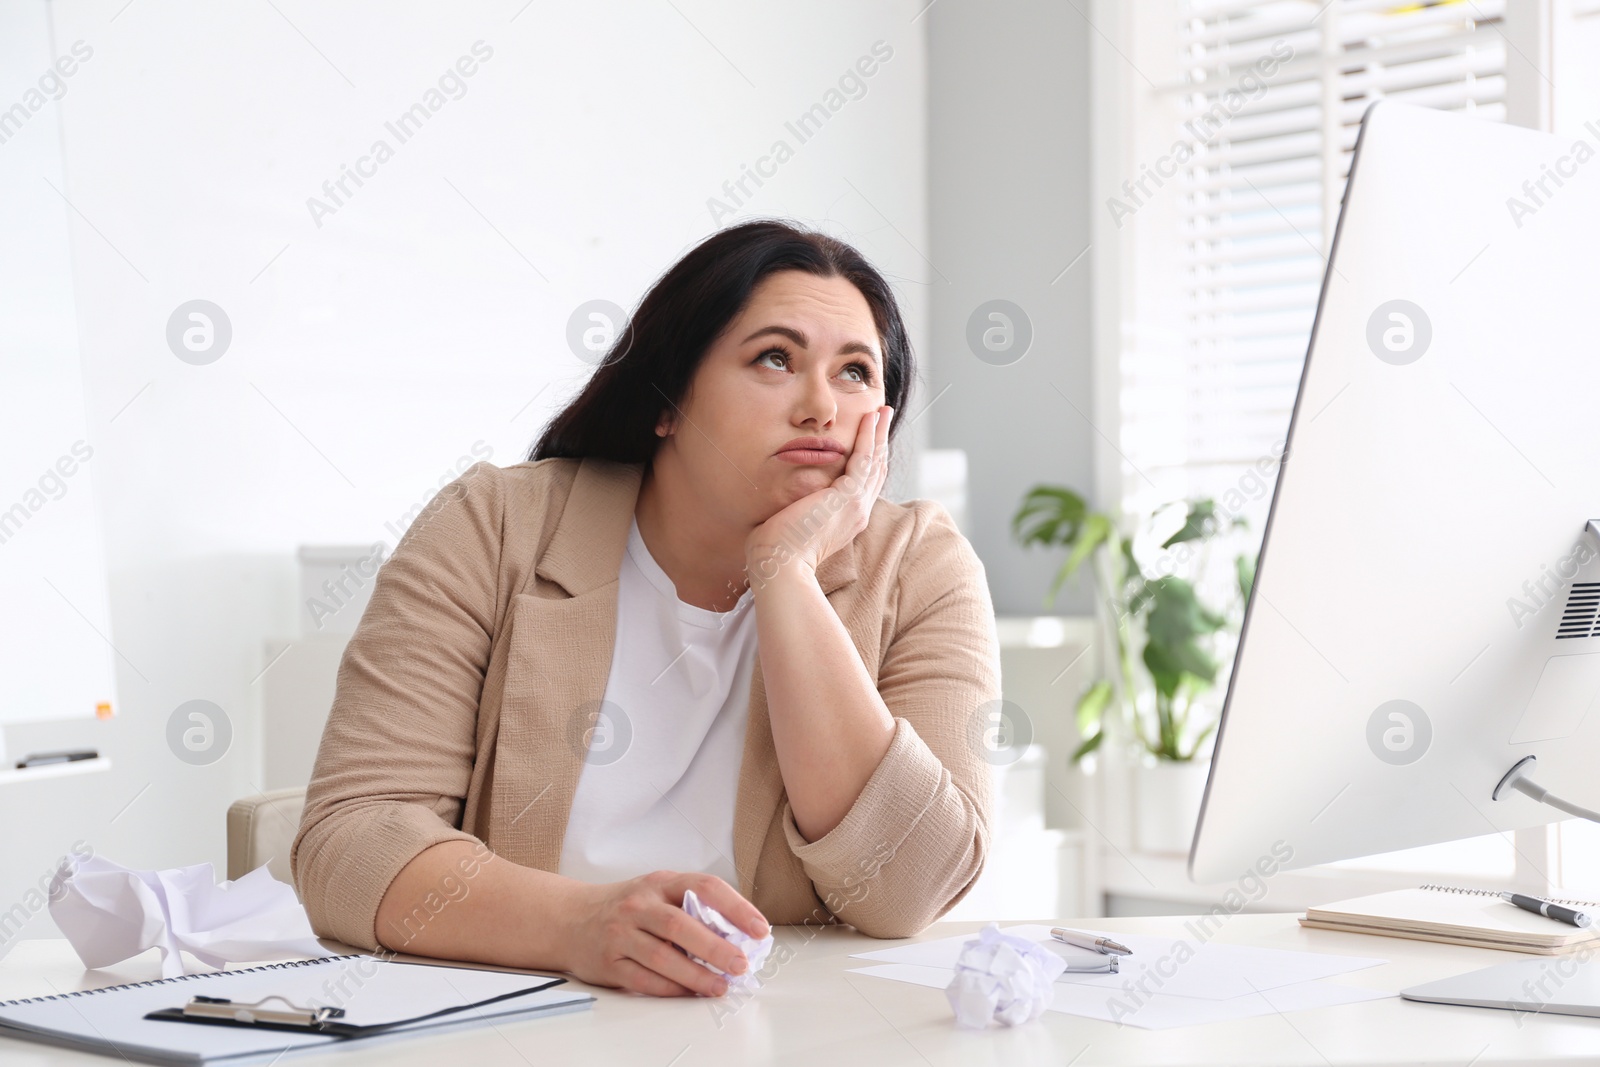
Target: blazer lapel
[586,550]
[560,664]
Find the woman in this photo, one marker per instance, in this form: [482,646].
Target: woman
[685,646]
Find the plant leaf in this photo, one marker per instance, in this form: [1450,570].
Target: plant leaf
[1173,653]
[1245,567]
[1091,707]
[1177,614]
[1140,596]
[1200,523]
[1165,670]
[1049,515]
[1087,747]
[1093,532]
[1129,563]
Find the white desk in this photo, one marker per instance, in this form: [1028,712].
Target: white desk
[813,1013]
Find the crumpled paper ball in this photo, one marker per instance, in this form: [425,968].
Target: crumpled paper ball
[755,949]
[1004,978]
[110,912]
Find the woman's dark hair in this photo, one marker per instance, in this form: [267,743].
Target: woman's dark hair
[648,367]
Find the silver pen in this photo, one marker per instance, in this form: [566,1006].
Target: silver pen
[1093,965]
[1090,941]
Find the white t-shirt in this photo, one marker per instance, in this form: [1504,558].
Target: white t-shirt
[657,791]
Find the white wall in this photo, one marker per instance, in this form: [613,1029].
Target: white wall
[425,316]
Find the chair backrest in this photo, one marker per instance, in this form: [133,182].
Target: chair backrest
[261,829]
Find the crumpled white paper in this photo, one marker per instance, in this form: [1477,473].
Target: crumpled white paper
[110,912]
[755,949]
[1004,978]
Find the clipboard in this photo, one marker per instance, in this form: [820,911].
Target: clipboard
[274,1008]
[319,1019]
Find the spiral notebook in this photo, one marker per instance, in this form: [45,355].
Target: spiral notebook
[1456,916]
[406,998]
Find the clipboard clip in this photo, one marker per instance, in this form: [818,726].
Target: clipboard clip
[312,1018]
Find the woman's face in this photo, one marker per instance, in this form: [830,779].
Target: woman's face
[803,359]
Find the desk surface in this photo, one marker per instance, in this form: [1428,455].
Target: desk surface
[812,1012]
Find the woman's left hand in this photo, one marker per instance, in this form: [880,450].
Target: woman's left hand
[812,528]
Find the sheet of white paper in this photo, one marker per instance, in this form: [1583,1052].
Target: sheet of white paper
[110,912]
[1167,966]
[1160,1011]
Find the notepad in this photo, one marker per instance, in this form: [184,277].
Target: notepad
[1455,916]
[112,1020]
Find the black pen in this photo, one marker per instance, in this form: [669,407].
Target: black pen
[1547,909]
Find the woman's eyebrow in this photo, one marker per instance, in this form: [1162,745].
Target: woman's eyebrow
[800,339]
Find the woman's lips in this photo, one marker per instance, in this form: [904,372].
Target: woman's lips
[816,456]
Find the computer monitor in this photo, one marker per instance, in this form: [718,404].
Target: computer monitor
[1426,611]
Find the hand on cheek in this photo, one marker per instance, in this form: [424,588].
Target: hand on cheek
[812,528]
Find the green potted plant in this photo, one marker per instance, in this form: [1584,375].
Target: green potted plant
[1166,643]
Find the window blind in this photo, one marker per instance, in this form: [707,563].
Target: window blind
[1268,99]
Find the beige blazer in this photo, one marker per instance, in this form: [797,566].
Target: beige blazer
[468,693]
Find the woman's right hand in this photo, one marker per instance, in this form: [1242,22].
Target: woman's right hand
[627,935]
